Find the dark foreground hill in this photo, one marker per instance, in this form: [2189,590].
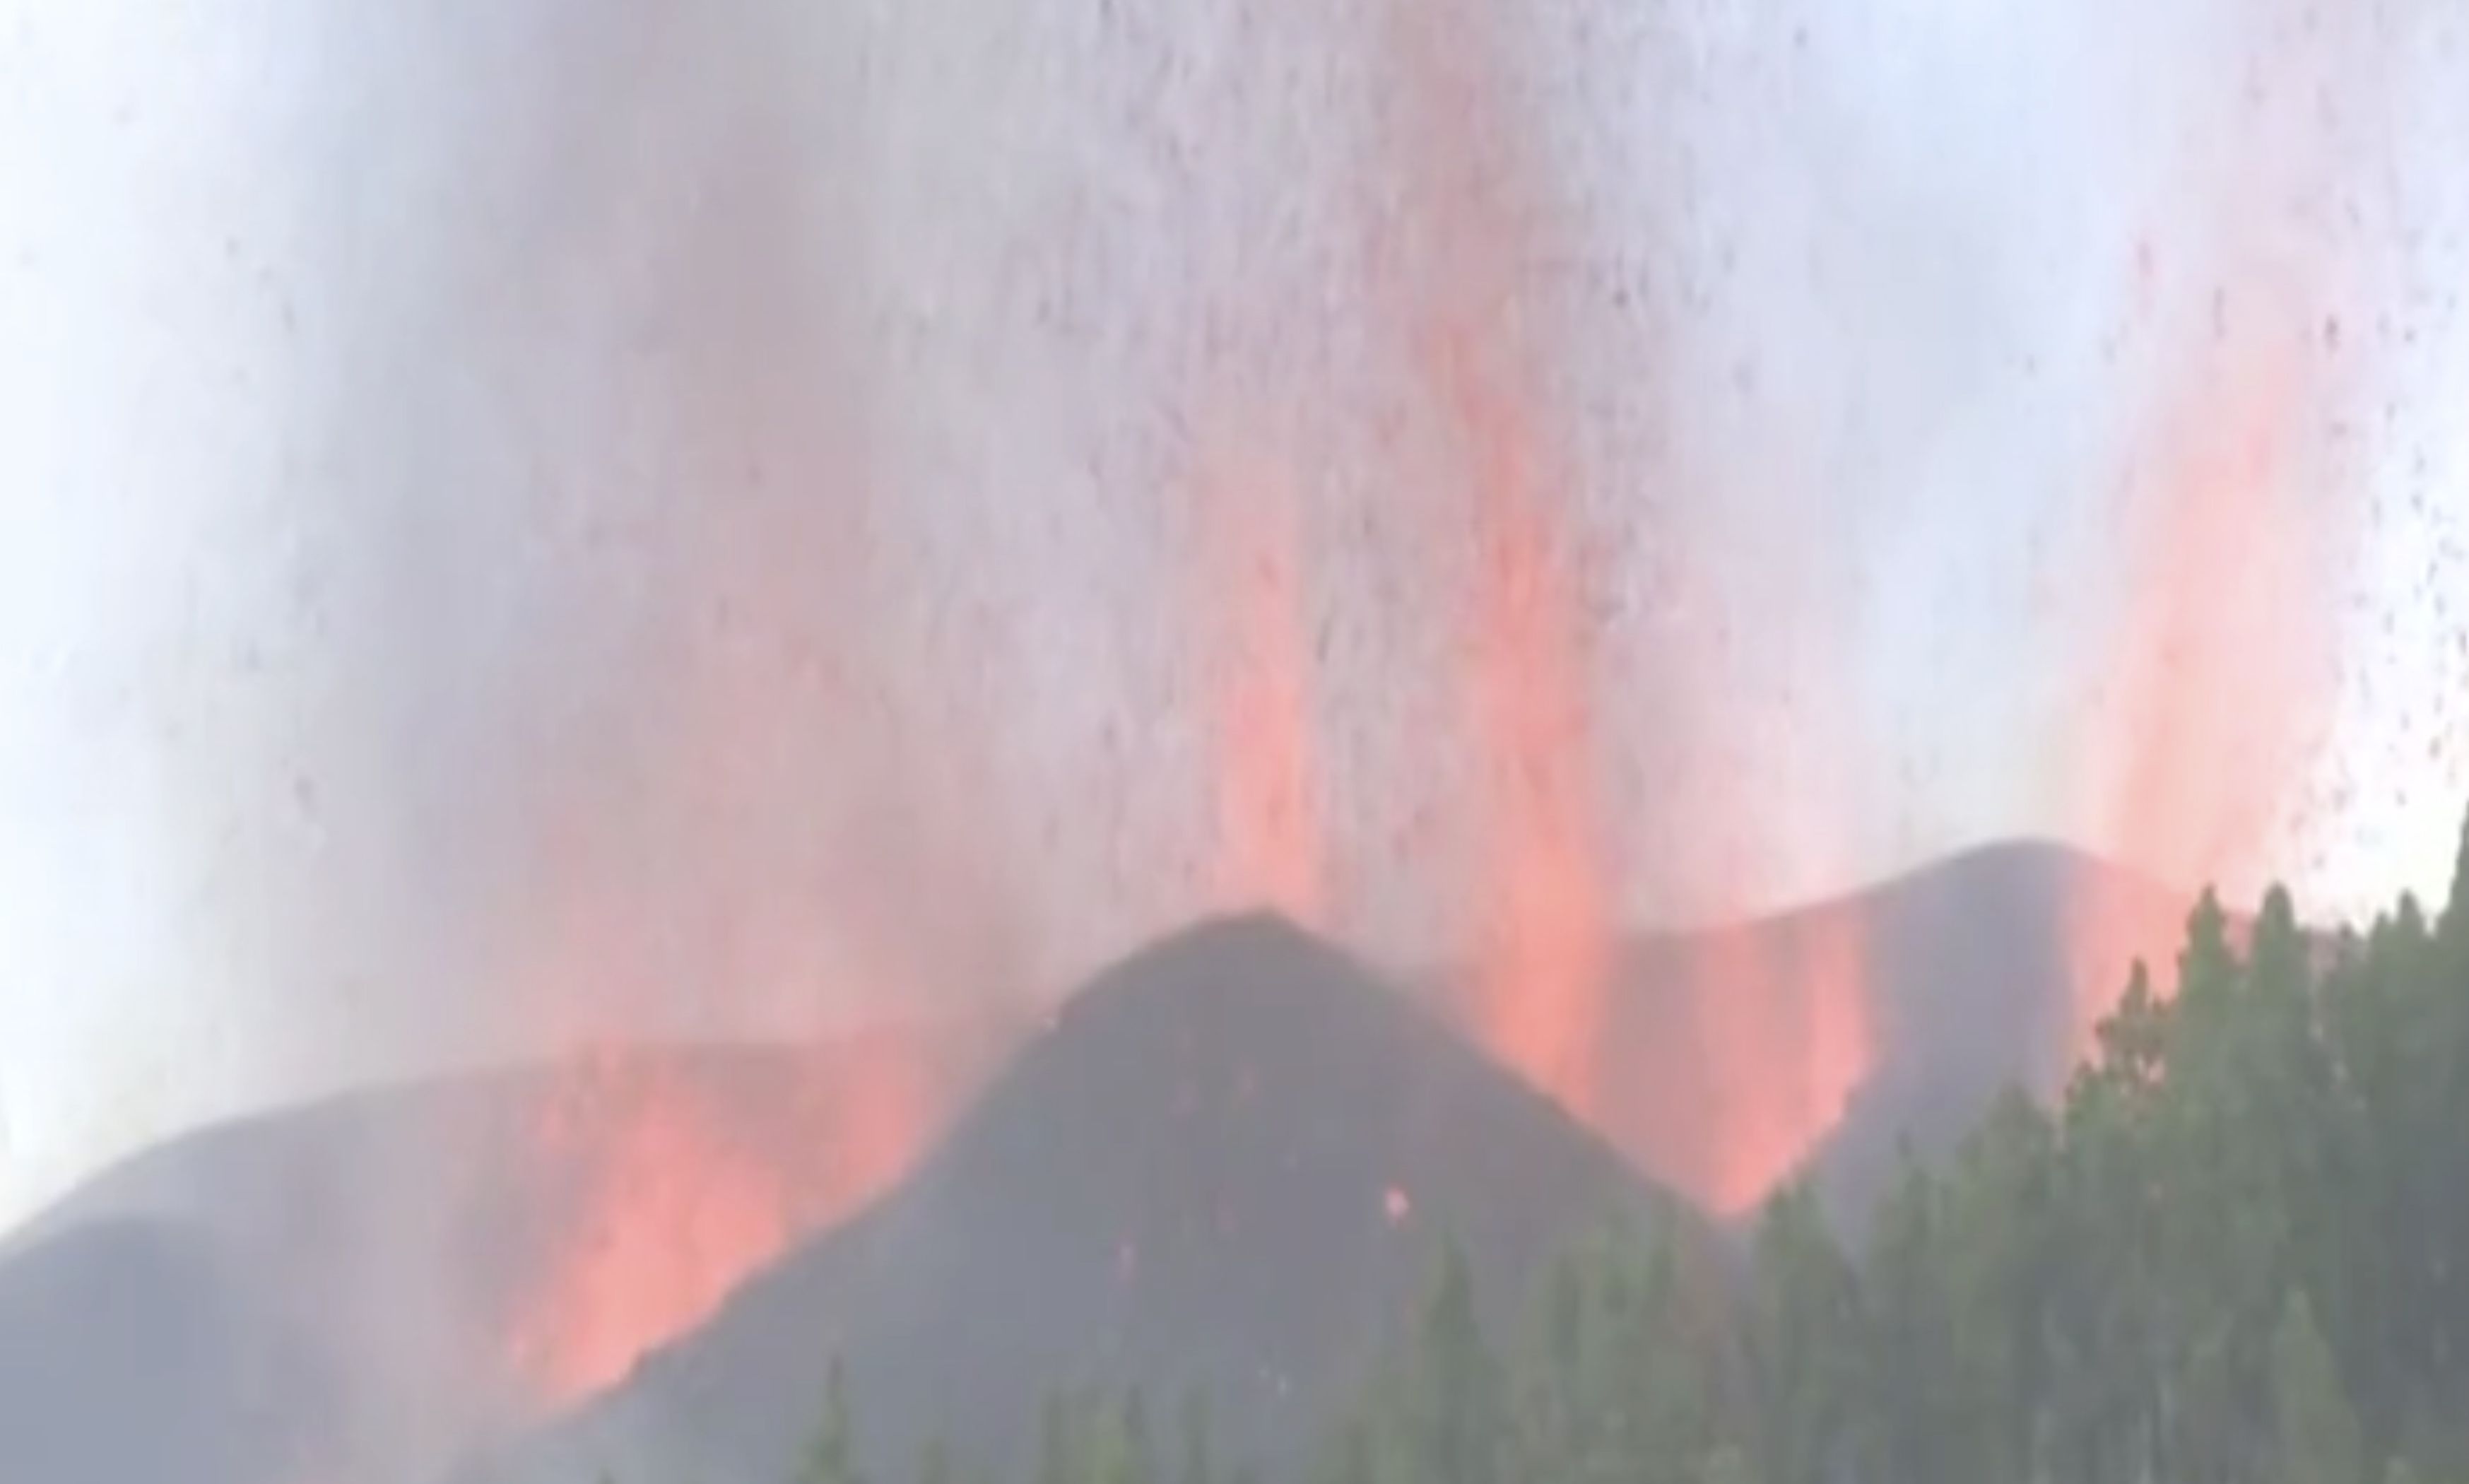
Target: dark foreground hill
[1222,1170]
[439,1257]
[127,1353]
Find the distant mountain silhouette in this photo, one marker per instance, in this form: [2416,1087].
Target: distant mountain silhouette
[1968,983]
[1222,1168]
[403,1239]
[1826,1038]
[126,1353]
[1978,991]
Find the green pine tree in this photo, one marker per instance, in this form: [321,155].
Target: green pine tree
[1726,1465]
[831,1458]
[2315,1431]
[1347,1458]
[1058,1457]
[2455,911]
[1136,1453]
[1457,1422]
[1198,1467]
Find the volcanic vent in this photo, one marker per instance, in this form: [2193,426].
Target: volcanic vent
[1222,1168]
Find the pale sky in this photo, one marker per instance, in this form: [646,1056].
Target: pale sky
[422,439]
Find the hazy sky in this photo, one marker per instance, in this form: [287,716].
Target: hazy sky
[506,509]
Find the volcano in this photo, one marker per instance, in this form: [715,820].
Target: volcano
[1222,1165]
[1223,1170]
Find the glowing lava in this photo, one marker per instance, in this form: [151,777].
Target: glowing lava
[671,1215]
[661,1190]
[1775,1036]
[1471,195]
[2220,669]
[1546,962]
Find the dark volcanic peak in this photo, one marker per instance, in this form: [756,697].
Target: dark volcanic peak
[1224,1168]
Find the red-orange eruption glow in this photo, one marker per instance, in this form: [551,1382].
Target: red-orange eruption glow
[663,1191]
[2225,661]
[1546,962]
[1475,212]
[2221,685]
[1269,832]
[671,1216]
[875,1118]
[1783,1037]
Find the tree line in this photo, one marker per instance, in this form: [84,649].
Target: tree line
[2235,1252]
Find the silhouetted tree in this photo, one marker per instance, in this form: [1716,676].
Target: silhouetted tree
[2315,1430]
[1456,1417]
[1197,1466]
[831,1458]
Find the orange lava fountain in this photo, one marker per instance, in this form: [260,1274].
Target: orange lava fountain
[1737,1082]
[1778,1023]
[2225,664]
[2195,778]
[1471,194]
[2213,690]
[672,1214]
[780,776]
[1268,813]
[664,1191]
[1783,1035]
[2222,666]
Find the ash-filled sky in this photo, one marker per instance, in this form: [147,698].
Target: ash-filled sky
[528,521]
